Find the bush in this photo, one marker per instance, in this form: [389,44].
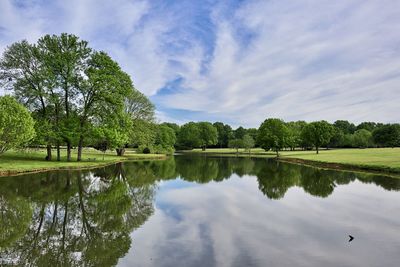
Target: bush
[16,124]
[146,150]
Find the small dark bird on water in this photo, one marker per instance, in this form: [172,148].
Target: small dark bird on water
[351,238]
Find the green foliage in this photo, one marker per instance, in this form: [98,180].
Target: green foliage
[208,134]
[189,136]
[273,134]
[388,135]
[16,124]
[317,133]
[139,107]
[362,138]
[165,140]
[345,126]
[367,125]
[225,133]
[248,142]
[143,133]
[173,126]
[72,89]
[239,132]
[235,143]
[295,128]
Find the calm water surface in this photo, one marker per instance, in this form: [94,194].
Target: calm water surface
[200,211]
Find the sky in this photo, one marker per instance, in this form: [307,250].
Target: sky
[237,61]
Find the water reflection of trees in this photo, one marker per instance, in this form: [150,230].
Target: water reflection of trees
[85,218]
[274,178]
[71,218]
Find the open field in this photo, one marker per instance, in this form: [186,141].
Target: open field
[19,161]
[377,159]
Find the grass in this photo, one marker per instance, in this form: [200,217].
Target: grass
[377,159]
[19,161]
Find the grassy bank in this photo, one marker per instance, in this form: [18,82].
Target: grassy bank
[15,162]
[372,159]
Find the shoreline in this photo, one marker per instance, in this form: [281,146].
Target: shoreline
[380,170]
[92,165]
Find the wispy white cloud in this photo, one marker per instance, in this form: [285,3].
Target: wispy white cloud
[309,60]
[238,62]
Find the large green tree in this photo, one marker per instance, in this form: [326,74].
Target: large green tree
[65,57]
[16,124]
[208,134]
[273,134]
[362,138]
[317,133]
[189,136]
[23,70]
[248,142]
[165,139]
[225,134]
[102,96]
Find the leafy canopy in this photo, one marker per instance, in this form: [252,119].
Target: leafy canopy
[16,124]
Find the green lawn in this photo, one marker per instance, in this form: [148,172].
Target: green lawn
[18,161]
[385,159]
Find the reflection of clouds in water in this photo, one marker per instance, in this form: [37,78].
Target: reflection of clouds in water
[233,224]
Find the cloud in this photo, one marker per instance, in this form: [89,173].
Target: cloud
[238,61]
[231,223]
[306,61]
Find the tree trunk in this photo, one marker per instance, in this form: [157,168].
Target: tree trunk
[277,153]
[317,149]
[68,150]
[58,152]
[79,158]
[120,151]
[49,156]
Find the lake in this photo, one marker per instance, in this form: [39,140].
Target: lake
[200,211]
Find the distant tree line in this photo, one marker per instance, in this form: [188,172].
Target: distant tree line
[275,135]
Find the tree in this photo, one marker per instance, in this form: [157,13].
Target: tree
[253,132]
[295,128]
[173,126]
[224,134]
[165,139]
[318,133]
[102,97]
[143,134]
[23,71]
[70,88]
[367,125]
[189,136]
[236,144]
[345,126]
[65,57]
[388,135]
[112,132]
[248,142]
[208,134]
[239,132]
[362,138]
[139,106]
[337,139]
[273,134]
[16,124]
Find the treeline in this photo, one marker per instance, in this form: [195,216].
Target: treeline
[275,134]
[73,96]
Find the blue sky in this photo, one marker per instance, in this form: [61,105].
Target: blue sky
[238,61]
